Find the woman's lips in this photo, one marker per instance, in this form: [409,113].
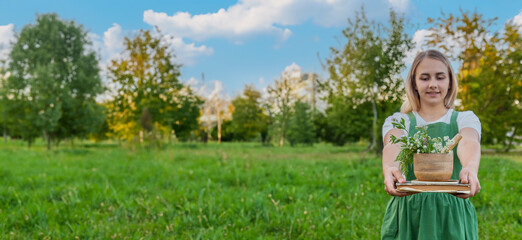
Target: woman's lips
[433,94]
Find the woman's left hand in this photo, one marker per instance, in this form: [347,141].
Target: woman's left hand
[469,176]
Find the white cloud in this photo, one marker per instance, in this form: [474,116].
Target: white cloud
[399,5]
[199,88]
[292,71]
[6,38]
[419,44]
[517,20]
[113,40]
[211,90]
[192,82]
[112,44]
[419,39]
[219,91]
[186,53]
[254,17]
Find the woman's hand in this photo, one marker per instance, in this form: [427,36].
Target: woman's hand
[469,155]
[468,175]
[391,176]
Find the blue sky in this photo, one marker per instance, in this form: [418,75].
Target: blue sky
[237,42]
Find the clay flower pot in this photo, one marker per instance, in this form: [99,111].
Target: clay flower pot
[433,166]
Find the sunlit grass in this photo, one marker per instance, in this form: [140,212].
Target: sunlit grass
[232,191]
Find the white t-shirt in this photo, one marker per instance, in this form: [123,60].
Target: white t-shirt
[464,120]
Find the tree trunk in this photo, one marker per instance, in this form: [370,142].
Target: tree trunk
[511,140]
[283,130]
[209,128]
[374,126]
[219,128]
[48,139]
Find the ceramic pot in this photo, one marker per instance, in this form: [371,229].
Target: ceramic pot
[433,166]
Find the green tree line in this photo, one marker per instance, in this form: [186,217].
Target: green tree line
[51,80]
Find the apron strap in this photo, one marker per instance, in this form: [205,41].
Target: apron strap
[453,123]
[413,122]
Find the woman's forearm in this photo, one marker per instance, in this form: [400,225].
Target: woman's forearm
[468,149]
[390,151]
[389,154]
[469,154]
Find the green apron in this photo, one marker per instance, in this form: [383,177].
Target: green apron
[431,215]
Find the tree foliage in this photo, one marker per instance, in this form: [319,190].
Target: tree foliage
[282,97]
[248,117]
[54,81]
[301,127]
[364,74]
[3,100]
[490,75]
[149,98]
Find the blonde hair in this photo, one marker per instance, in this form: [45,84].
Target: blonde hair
[412,102]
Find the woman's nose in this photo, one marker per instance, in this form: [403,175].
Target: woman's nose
[432,83]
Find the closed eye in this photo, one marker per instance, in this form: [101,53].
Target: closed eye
[441,76]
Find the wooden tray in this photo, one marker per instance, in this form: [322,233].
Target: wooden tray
[424,186]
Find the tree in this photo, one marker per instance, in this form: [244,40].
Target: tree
[283,94]
[347,121]
[513,72]
[54,81]
[183,118]
[490,74]
[367,68]
[301,127]
[3,99]
[220,106]
[215,110]
[147,87]
[101,131]
[248,118]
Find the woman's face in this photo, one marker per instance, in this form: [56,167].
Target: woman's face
[432,82]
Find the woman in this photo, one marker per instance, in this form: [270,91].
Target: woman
[431,89]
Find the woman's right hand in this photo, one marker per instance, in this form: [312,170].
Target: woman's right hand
[391,176]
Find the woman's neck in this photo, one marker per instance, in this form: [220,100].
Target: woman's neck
[431,114]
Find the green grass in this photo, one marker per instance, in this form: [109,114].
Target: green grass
[227,191]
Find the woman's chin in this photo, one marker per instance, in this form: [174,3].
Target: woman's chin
[433,102]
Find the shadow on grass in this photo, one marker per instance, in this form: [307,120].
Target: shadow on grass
[99,145]
[73,151]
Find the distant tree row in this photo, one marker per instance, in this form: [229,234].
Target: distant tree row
[51,80]
[51,83]
[490,77]
[365,85]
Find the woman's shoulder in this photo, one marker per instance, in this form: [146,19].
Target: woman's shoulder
[469,119]
[467,116]
[397,117]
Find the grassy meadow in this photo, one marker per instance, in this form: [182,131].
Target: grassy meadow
[227,191]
